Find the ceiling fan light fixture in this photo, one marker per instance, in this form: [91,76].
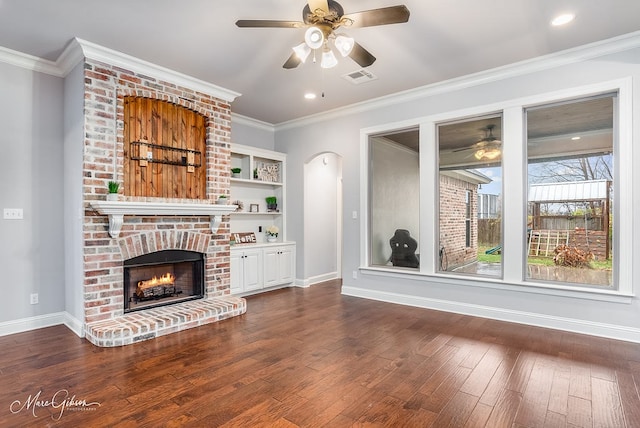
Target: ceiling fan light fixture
[344,44]
[487,154]
[302,51]
[314,37]
[329,59]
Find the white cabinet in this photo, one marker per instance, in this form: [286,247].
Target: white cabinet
[257,267]
[246,270]
[279,265]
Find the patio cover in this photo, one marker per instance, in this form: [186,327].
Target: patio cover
[570,191]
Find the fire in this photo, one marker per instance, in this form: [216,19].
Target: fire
[166,279]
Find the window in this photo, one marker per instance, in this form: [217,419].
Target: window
[470,171]
[467,220]
[394,202]
[538,193]
[570,218]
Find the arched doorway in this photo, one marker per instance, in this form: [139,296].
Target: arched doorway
[323,218]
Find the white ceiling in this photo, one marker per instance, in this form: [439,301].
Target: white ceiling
[443,39]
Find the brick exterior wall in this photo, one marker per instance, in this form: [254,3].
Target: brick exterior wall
[452,220]
[105,86]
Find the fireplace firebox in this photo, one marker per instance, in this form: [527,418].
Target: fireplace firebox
[163,278]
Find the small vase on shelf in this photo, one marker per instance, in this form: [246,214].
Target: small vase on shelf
[272,238]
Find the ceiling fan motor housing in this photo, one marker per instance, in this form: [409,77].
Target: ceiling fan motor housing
[334,14]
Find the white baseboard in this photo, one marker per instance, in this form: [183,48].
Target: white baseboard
[31,323]
[611,331]
[74,324]
[305,283]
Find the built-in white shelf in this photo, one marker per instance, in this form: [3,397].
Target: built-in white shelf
[258,213]
[116,210]
[256,182]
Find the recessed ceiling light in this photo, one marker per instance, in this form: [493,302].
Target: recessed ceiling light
[310,96]
[575,138]
[565,18]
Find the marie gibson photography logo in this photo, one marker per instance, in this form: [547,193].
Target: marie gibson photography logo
[60,402]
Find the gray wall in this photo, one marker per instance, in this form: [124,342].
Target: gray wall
[251,133]
[340,133]
[31,170]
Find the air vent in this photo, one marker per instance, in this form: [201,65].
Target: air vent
[360,76]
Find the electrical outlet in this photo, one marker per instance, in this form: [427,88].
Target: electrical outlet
[13,214]
[355,274]
[34,298]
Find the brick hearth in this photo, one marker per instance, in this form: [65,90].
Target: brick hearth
[151,323]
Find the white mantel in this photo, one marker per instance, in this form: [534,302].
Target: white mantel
[116,210]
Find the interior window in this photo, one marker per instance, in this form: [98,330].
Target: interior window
[470,187]
[570,219]
[394,209]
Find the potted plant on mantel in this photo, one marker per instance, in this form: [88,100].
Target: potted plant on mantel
[235,172]
[113,187]
[222,200]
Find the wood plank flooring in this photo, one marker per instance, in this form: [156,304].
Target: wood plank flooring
[314,358]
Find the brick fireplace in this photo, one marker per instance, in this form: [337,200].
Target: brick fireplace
[133,227]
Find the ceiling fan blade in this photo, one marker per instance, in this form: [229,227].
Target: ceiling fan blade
[383,16]
[318,4]
[266,23]
[292,62]
[362,56]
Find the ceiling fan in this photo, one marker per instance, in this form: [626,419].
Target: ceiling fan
[486,148]
[322,18]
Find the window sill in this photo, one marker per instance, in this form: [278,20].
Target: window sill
[576,292]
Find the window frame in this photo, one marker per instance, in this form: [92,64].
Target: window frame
[514,193]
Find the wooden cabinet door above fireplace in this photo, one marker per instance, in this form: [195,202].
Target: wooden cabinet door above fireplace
[164,150]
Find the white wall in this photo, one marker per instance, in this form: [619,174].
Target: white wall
[340,132]
[31,170]
[73,207]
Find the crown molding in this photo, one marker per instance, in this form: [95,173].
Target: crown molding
[29,62]
[119,59]
[546,62]
[253,123]
[78,49]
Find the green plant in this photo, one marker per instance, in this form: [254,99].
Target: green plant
[236,170]
[222,197]
[113,186]
[271,200]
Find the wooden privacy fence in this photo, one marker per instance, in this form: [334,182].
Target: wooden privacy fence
[542,242]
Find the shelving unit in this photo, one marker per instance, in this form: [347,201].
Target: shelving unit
[260,266]
[262,174]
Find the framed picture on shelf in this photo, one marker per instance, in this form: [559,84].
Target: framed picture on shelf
[254,208]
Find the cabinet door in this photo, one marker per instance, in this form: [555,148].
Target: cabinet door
[271,267]
[252,269]
[236,267]
[286,265]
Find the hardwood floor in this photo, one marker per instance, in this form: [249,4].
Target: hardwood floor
[315,358]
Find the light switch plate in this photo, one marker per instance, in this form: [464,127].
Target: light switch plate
[13,214]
